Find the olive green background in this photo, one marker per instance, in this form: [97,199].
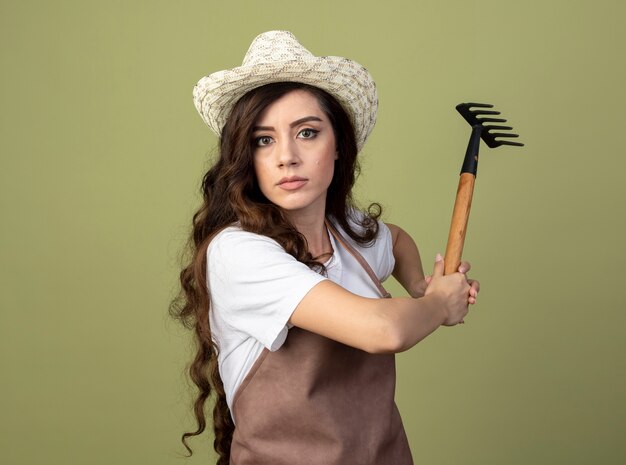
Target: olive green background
[102,153]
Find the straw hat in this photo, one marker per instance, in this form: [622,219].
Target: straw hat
[277,56]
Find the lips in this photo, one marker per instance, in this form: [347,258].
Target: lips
[292,183]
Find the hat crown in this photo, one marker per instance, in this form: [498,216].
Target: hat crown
[275,46]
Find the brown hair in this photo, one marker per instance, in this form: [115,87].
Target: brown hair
[231,194]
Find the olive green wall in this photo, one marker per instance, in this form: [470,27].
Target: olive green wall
[101,157]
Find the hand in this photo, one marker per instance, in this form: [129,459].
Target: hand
[464,267]
[455,290]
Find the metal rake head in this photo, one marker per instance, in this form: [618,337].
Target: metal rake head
[476,115]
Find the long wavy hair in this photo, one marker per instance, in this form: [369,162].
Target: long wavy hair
[231,194]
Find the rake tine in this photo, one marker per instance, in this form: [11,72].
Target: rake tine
[491,120]
[497,128]
[485,112]
[506,142]
[479,105]
[503,134]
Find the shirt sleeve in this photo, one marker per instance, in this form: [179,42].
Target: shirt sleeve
[255,285]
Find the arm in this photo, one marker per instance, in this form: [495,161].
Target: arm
[383,325]
[408,270]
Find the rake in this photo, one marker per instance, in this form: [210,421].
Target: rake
[479,118]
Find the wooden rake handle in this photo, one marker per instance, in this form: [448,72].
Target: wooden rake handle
[458,227]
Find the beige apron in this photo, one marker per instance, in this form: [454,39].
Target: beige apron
[317,401]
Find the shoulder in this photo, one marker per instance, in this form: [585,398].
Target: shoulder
[239,257]
[234,236]
[232,243]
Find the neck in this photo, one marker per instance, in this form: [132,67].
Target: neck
[312,227]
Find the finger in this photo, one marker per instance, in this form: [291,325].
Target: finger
[438,269]
[428,279]
[464,267]
[474,287]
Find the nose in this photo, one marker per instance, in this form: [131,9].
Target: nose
[287,153]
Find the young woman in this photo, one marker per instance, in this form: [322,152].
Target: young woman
[295,331]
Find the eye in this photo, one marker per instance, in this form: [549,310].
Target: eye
[307,133]
[262,141]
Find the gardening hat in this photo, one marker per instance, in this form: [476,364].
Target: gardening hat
[277,56]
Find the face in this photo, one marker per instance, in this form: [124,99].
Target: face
[294,154]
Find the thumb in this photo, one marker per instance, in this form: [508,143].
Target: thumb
[438,269]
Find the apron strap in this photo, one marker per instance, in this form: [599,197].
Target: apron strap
[359,258]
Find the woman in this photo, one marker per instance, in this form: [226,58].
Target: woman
[295,331]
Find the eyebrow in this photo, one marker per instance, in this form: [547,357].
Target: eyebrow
[291,125]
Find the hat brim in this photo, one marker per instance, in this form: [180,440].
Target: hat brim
[350,83]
